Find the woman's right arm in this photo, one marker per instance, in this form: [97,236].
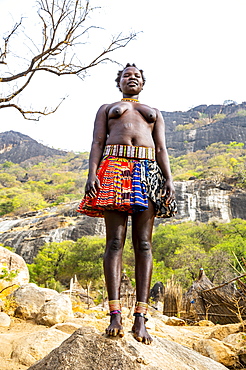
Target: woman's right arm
[97,147]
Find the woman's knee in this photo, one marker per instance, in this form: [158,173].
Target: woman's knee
[114,244]
[144,246]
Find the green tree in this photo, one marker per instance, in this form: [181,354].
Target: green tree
[7,180]
[160,272]
[26,201]
[85,259]
[49,263]
[168,238]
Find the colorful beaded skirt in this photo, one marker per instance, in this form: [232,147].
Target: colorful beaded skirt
[125,185]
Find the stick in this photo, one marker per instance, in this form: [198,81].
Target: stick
[228,282]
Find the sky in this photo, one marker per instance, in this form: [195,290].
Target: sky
[192,52]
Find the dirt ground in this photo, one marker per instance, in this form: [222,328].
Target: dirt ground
[17,329]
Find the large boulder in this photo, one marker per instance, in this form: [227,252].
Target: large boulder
[57,310]
[29,299]
[84,351]
[222,331]
[238,342]
[32,347]
[217,350]
[15,265]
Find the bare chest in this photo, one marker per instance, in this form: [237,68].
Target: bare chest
[130,112]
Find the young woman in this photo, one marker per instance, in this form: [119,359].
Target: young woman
[129,174]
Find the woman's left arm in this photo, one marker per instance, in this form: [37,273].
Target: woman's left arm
[162,155]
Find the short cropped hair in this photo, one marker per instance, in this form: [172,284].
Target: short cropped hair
[117,80]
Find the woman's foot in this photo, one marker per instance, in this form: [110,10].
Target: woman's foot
[115,328]
[140,331]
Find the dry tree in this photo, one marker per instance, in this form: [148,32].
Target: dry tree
[64,29]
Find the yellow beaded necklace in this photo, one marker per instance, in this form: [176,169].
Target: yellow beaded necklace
[129,99]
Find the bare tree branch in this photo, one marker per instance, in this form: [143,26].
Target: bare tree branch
[17,92]
[26,113]
[3,54]
[228,282]
[64,26]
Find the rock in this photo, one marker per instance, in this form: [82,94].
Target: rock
[5,345]
[179,335]
[17,148]
[175,321]
[56,310]
[83,351]
[29,299]
[231,128]
[30,232]
[4,319]
[202,200]
[222,331]
[237,341]
[14,263]
[218,351]
[67,327]
[32,347]
[204,323]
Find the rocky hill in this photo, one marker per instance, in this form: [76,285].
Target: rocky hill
[17,148]
[204,125]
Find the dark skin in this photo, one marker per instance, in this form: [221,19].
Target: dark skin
[136,124]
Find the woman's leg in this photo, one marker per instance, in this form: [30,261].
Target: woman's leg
[116,226]
[142,227]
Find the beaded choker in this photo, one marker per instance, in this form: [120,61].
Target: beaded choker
[129,99]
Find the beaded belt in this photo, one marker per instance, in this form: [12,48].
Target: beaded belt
[128,151]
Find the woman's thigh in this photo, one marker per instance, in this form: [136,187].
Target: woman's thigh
[116,225]
[142,224]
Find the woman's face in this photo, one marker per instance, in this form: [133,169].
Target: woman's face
[131,81]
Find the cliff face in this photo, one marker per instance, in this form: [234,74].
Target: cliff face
[205,201]
[17,148]
[231,128]
[197,201]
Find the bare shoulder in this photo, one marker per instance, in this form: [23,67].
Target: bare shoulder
[103,108]
[157,111]
[159,115]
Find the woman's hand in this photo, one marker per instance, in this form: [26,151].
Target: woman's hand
[169,191]
[92,186]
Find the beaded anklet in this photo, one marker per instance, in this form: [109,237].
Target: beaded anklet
[141,310]
[115,312]
[139,314]
[114,307]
